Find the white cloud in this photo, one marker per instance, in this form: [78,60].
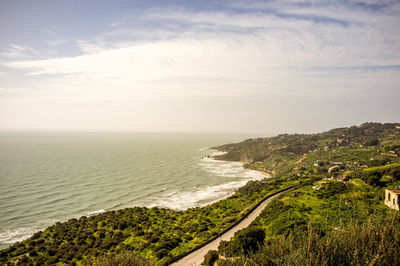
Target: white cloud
[91,47]
[18,51]
[214,66]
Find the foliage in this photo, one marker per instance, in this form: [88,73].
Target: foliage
[331,189]
[283,153]
[126,259]
[244,241]
[374,241]
[337,217]
[211,257]
[155,233]
[392,170]
[342,173]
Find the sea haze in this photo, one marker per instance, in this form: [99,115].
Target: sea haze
[47,178]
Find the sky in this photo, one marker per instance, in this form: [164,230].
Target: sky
[237,67]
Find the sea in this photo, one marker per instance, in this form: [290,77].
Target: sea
[51,177]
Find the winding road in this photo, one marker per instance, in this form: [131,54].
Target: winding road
[197,256]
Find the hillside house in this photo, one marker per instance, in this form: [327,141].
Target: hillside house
[392,198]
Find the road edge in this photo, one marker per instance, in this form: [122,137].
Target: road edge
[177,258]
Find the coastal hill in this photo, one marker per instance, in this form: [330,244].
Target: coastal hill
[281,153]
[335,214]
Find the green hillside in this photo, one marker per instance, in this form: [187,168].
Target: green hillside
[335,216]
[340,217]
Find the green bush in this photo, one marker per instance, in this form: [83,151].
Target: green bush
[371,179]
[161,253]
[211,257]
[371,142]
[331,189]
[125,259]
[359,242]
[244,241]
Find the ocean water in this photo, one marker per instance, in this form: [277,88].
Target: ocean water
[45,178]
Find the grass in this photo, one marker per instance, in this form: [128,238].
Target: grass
[350,227]
[374,241]
[361,184]
[383,167]
[155,234]
[336,217]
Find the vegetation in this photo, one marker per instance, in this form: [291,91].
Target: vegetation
[284,153]
[335,216]
[124,259]
[156,234]
[245,242]
[374,241]
[338,217]
[211,257]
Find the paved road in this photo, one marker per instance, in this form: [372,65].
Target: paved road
[197,256]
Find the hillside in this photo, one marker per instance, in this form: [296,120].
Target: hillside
[341,175]
[339,218]
[370,144]
[156,234]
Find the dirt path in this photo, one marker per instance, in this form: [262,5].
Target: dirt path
[301,159]
[197,256]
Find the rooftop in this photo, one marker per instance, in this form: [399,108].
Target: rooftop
[396,191]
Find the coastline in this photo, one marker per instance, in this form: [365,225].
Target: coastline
[211,155]
[265,174]
[164,222]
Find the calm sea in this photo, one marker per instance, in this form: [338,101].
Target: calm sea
[45,178]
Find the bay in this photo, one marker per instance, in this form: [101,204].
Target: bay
[51,177]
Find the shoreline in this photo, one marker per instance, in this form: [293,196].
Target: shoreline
[229,194]
[267,175]
[4,245]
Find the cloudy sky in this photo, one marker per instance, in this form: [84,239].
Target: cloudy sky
[259,67]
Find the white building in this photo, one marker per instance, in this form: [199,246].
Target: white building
[392,198]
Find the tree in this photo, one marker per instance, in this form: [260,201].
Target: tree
[245,241]
[211,257]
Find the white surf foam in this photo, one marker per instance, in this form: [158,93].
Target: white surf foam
[96,212]
[11,236]
[227,168]
[200,196]
[217,153]
[171,194]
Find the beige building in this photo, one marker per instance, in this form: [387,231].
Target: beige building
[392,198]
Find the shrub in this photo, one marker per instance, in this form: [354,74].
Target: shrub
[371,242]
[122,225]
[125,259]
[3,254]
[161,253]
[211,257]
[371,179]
[371,142]
[245,241]
[36,235]
[330,189]
[168,243]
[51,251]
[33,254]
[24,259]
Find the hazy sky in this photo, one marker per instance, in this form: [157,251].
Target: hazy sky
[256,67]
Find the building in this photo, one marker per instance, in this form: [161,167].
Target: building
[392,198]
